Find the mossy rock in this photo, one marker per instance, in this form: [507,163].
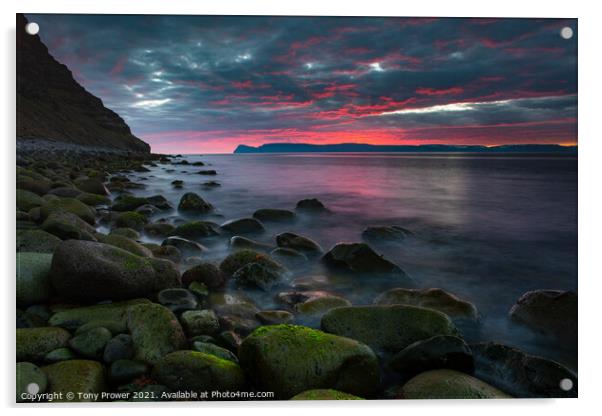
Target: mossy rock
[195,229]
[321,305]
[92,186]
[70,205]
[299,243]
[290,359]
[257,275]
[33,284]
[93,200]
[437,299]
[449,384]
[66,226]
[75,318]
[91,343]
[325,394]
[159,229]
[241,258]
[200,322]
[127,202]
[27,200]
[206,273]
[29,374]
[197,371]
[274,317]
[125,243]
[387,327]
[126,232]
[243,226]
[75,376]
[193,203]
[212,349]
[131,219]
[238,242]
[34,343]
[155,332]
[60,354]
[37,241]
[39,185]
[360,258]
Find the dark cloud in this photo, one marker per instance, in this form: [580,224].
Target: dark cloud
[206,83]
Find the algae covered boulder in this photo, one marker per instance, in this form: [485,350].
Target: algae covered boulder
[391,328]
[80,377]
[91,271]
[66,225]
[197,371]
[449,384]
[196,229]
[243,257]
[193,204]
[32,344]
[290,359]
[299,243]
[325,394]
[111,315]
[70,205]
[33,284]
[125,243]
[155,332]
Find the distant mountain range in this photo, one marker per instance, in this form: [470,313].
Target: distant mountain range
[425,148]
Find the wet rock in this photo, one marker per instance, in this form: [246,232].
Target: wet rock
[312,282]
[122,371]
[65,192]
[34,343]
[155,332]
[177,183]
[230,340]
[360,258]
[33,284]
[203,322]
[93,200]
[289,257]
[82,376]
[147,210]
[236,304]
[88,271]
[124,243]
[437,299]
[240,242]
[131,219]
[239,324]
[550,312]
[390,328]
[196,229]
[521,374]
[186,247]
[274,317]
[74,318]
[449,384]
[60,354]
[93,186]
[318,306]
[197,371]
[211,349]
[177,299]
[441,351]
[199,289]
[126,202]
[159,229]
[325,394]
[243,226]
[296,242]
[194,204]
[289,359]
[170,253]
[207,273]
[258,275]
[159,201]
[274,215]
[386,233]
[65,225]
[70,205]
[120,347]
[91,344]
[37,186]
[312,204]
[27,374]
[243,257]
[211,184]
[207,172]
[126,232]
[27,200]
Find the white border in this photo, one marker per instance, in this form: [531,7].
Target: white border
[590,152]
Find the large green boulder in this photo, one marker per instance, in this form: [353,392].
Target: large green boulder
[66,225]
[34,343]
[93,200]
[91,271]
[71,205]
[80,377]
[241,258]
[91,343]
[27,200]
[197,371]
[110,314]
[37,241]
[389,328]
[126,202]
[299,243]
[33,285]
[131,219]
[449,384]
[195,230]
[437,299]
[155,332]
[290,359]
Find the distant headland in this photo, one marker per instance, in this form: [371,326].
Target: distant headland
[425,148]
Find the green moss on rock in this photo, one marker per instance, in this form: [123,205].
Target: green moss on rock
[75,376]
[34,343]
[449,384]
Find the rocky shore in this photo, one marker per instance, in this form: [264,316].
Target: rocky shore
[117,317]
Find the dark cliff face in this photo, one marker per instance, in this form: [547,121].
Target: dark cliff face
[52,105]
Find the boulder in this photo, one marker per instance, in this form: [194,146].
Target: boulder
[94,200]
[170,253]
[449,384]
[131,219]
[108,314]
[33,284]
[37,241]
[91,343]
[75,376]
[200,322]
[70,205]
[192,203]
[155,332]
[60,354]
[520,374]
[289,257]
[549,312]
[186,247]
[196,230]
[212,349]
[126,232]
[274,317]
[89,271]
[159,229]
[274,215]
[243,226]
[290,359]
[258,275]
[177,299]
[298,243]
[312,204]
[325,394]
[92,186]
[390,328]
[120,347]
[207,273]
[437,299]
[159,201]
[126,202]
[317,306]
[65,225]
[29,374]
[243,257]
[197,371]
[122,371]
[124,243]
[359,258]
[386,233]
[239,242]
[27,200]
[232,303]
[38,186]
[65,192]
[32,344]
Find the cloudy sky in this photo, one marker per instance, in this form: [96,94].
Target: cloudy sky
[198,84]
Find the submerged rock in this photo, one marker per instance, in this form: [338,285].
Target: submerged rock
[187,247]
[550,312]
[196,229]
[449,384]
[289,257]
[240,242]
[386,233]
[194,204]
[311,205]
[290,359]
[275,215]
[297,242]
[360,258]
[521,374]
[437,299]
[274,317]
[243,226]
[159,229]
[387,327]
[88,271]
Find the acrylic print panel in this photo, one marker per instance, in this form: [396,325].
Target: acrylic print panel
[307,208]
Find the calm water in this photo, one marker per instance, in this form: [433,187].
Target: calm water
[488,227]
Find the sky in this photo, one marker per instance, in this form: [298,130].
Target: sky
[205,84]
